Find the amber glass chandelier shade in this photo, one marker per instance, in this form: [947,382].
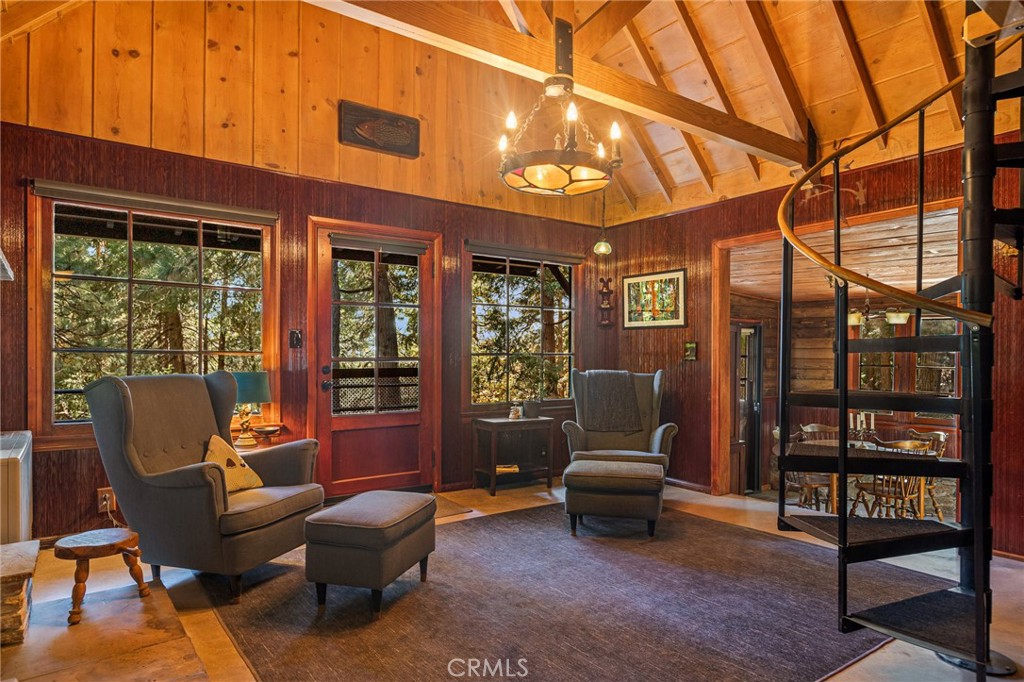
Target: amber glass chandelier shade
[556,172]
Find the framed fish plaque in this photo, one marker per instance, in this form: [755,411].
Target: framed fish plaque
[378,130]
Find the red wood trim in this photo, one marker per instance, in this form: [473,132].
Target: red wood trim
[721,391]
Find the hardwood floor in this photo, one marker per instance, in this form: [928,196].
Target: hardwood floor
[175,634]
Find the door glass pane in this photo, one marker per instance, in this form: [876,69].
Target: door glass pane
[399,278]
[165,363]
[354,332]
[398,386]
[165,249]
[232,363]
[398,332]
[353,387]
[353,275]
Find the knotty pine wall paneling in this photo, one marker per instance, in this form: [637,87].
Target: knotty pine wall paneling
[684,240]
[258,83]
[33,153]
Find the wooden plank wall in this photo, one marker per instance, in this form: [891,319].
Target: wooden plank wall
[65,481]
[765,311]
[685,240]
[257,83]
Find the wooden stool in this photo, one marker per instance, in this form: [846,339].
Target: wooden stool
[96,544]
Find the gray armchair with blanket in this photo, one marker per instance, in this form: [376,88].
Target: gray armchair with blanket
[153,432]
[618,417]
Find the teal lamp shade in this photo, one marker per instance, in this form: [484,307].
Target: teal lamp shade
[253,387]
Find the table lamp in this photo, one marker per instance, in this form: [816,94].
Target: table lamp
[253,387]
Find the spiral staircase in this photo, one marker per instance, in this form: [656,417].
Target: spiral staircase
[955,622]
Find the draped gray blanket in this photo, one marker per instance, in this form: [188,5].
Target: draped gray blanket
[611,402]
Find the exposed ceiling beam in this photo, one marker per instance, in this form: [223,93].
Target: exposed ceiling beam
[654,75]
[997,19]
[538,23]
[604,24]
[638,131]
[447,27]
[25,16]
[837,11]
[943,56]
[758,28]
[713,77]
[514,18]
[625,191]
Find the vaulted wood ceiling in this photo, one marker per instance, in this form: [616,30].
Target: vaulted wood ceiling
[885,250]
[716,95]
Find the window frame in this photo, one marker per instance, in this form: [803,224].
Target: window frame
[576,268]
[50,435]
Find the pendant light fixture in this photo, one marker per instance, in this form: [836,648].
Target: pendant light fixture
[565,169]
[893,316]
[602,247]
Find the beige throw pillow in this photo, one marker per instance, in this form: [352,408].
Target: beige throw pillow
[237,474]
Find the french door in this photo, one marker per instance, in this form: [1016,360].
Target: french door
[376,378]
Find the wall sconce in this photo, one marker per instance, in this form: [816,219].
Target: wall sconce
[605,307]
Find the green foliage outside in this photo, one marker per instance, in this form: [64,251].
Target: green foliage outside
[150,308]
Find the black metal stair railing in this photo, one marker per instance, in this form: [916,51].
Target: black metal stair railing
[954,623]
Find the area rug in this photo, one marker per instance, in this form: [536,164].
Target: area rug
[514,593]
[446,507]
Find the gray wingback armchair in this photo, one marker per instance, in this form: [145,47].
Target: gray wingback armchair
[610,426]
[152,433]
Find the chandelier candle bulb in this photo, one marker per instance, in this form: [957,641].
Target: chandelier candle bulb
[510,121]
[571,115]
[616,135]
[600,150]
[503,144]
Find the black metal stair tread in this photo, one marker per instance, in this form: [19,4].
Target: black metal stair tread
[1008,216]
[1008,85]
[860,530]
[814,457]
[940,621]
[1009,234]
[1010,154]
[939,343]
[877,400]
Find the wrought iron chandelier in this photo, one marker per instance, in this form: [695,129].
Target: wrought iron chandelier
[566,169]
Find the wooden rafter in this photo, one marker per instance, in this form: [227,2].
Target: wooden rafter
[638,131]
[448,27]
[26,16]
[654,75]
[625,191]
[538,23]
[769,55]
[713,77]
[837,11]
[945,61]
[604,24]
[512,14]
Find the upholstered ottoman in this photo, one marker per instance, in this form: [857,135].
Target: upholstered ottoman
[368,541]
[631,490]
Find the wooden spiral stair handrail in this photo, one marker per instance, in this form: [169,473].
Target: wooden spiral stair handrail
[842,275]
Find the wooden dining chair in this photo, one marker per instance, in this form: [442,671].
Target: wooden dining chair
[812,432]
[893,495]
[938,441]
[808,486]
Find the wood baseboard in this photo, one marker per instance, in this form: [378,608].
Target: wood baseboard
[679,483]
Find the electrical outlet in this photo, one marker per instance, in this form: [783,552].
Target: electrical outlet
[105,500]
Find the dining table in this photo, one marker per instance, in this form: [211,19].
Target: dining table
[833,488]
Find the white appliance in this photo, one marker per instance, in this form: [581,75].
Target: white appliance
[15,486]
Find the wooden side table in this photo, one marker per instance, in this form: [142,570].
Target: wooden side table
[96,544]
[498,425]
